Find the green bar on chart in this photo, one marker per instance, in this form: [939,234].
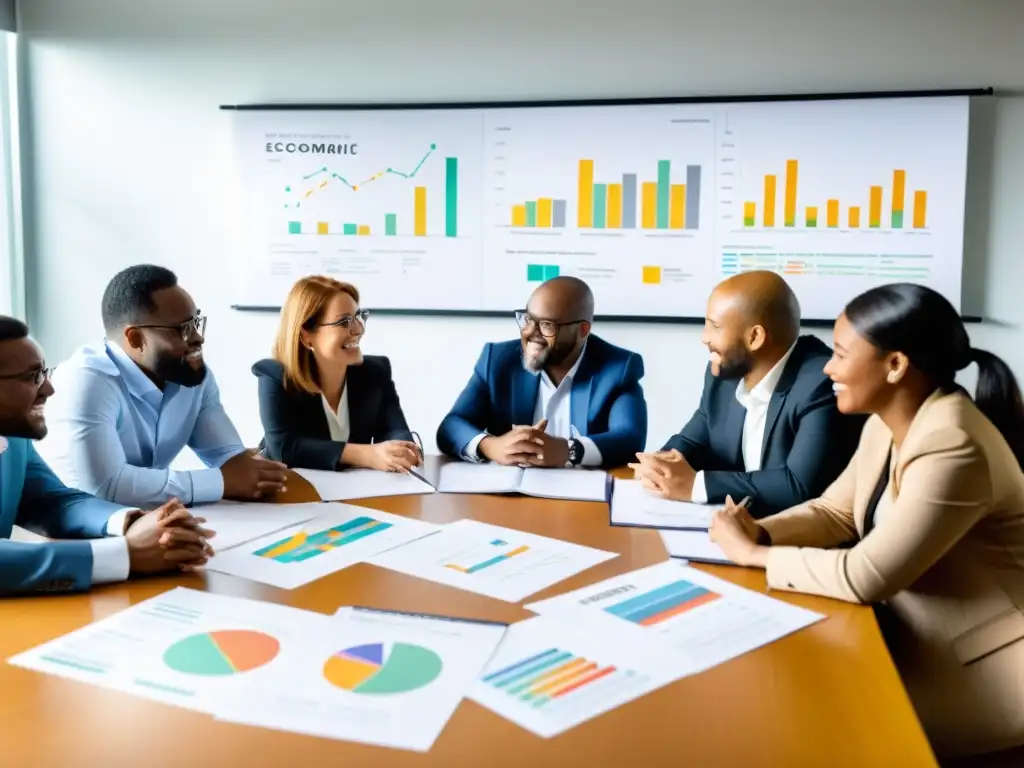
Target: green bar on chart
[600,205]
[391,224]
[664,192]
[294,227]
[451,197]
[531,213]
[350,229]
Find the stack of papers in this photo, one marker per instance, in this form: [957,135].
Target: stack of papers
[340,536]
[634,505]
[352,484]
[379,678]
[566,484]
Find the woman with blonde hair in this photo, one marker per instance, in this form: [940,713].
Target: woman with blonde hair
[926,522]
[323,404]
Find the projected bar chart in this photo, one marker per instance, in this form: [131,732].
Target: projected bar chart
[876,203]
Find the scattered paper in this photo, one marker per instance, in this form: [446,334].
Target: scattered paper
[389,679]
[351,484]
[634,505]
[567,484]
[238,522]
[341,536]
[678,613]
[693,545]
[549,676]
[490,560]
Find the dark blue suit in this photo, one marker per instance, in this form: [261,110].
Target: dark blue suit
[31,496]
[606,401]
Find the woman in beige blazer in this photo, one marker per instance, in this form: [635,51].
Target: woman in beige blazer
[927,520]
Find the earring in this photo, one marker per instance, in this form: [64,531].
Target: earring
[893,377]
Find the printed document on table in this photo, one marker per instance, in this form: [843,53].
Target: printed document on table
[238,522]
[565,484]
[675,611]
[549,676]
[341,536]
[491,560]
[357,483]
[375,677]
[634,505]
[182,647]
[693,545]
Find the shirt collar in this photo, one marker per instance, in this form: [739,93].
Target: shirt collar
[135,379]
[572,371]
[763,390]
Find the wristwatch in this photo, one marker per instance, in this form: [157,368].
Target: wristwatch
[575,452]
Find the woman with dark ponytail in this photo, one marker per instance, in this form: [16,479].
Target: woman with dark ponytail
[927,520]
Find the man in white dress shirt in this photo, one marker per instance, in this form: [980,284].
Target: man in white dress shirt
[558,396]
[767,428]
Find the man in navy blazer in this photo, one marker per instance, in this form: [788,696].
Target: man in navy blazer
[557,397]
[107,541]
[767,427]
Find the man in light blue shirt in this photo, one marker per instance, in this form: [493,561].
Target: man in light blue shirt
[100,541]
[124,409]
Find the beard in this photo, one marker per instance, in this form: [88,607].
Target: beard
[735,365]
[178,371]
[28,426]
[550,356]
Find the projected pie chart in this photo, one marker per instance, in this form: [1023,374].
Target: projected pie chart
[381,668]
[224,652]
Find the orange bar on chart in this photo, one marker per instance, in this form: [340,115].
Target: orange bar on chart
[544,205]
[363,230]
[920,209]
[677,206]
[792,170]
[899,185]
[419,219]
[769,200]
[649,204]
[832,212]
[585,218]
[614,213]
[875,209]
[854,216]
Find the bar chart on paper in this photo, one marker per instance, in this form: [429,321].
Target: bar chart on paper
[623,205]
[303,546]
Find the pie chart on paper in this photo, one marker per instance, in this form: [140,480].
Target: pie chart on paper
[383,668]
[223,652]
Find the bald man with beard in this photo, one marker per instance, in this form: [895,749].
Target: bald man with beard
[767,428]
[558,396]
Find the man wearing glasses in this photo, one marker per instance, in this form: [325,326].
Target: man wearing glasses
[557,397]
[102,542]
[125,409]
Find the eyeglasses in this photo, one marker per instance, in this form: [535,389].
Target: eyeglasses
[197,324]
[36,376]
[345,321]
[548,328]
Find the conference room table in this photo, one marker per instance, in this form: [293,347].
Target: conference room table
[828,695]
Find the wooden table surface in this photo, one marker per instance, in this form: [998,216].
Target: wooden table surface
[828,695]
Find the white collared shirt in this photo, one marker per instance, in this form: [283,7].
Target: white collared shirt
[338,422]
[756,402]
[554,403]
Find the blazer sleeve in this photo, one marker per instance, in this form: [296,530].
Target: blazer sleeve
[471,413]
[627,418]
[810,465]
[391,421]
[943,492]
[282,438]
[694,440]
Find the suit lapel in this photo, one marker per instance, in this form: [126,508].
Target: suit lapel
[778,399]
[579,396]
[525,386]
[737,414]
[10,487]
[360,410]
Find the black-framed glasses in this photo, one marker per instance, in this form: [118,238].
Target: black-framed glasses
[548,328]
[197,324]
[36,376]
[345,321]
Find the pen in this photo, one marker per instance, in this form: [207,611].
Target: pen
[745,502]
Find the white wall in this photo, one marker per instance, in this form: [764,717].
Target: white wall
[126,151]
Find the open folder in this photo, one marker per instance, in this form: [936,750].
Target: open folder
[570,484]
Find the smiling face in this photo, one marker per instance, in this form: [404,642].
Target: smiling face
[548,335]
[725,335]
[862,375]
[335,340]
[169,340]
[21,398]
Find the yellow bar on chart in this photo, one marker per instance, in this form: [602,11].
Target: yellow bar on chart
[769,200]
[518,215]
[614,214]
[749,214]
[854,216]
[899,185]
[832,212]
[920,209]
[792,172]
[651,276]
[364,229]
[875,209]
[419,218]
[677,206]
[321,227]
[585,216]
[544,205]
[649,204]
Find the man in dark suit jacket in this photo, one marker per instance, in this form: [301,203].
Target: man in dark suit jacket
[767,426]
[559,396]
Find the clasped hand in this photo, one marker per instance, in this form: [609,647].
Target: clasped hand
[666,473]
[527,447]
[738,534]
[169,537]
